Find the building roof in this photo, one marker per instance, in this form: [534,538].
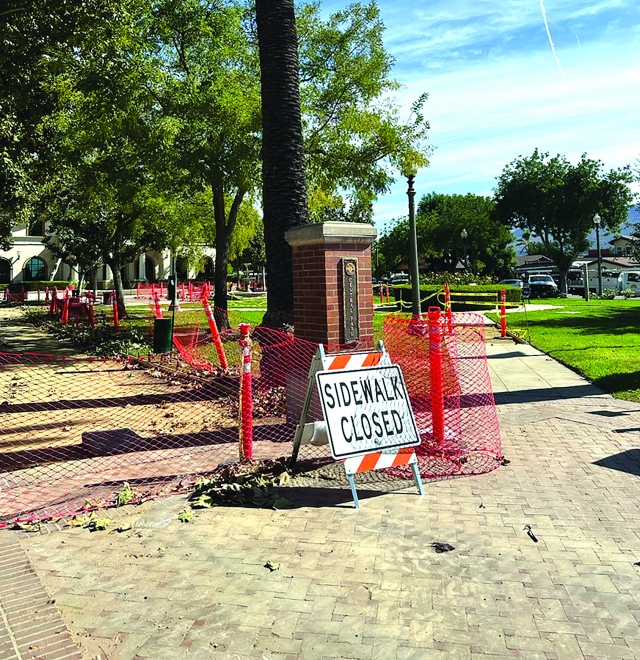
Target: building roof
[625,238]
[533,259]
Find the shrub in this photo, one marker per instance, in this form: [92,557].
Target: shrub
[628,293]
[42,284]
[608,294]
[464,277]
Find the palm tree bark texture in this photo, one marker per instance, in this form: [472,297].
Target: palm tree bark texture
[283,171]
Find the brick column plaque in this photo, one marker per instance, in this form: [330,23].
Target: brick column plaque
[333,295]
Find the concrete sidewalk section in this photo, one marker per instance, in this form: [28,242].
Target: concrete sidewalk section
[543,565]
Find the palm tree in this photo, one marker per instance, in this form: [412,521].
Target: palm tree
[283,173]
[523,242]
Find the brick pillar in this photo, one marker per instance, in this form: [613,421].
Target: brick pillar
[318,301]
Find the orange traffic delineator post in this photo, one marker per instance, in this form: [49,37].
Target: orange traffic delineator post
[503,313]
[92,318]
[215,334]
[156,304]
[114,300]
[246,395]
[437,380]
[64,317]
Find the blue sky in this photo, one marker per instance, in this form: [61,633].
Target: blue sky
[498,89]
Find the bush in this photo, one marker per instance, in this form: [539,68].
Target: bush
[464,277]
[628,293]
[608,294]
[43,284]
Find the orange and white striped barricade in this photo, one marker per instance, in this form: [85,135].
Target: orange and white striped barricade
[315,432]
[380,460]
[366,411]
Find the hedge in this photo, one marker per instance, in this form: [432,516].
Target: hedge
[473,300]
[43,284]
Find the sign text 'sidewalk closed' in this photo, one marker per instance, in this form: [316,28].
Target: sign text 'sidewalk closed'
[366,410]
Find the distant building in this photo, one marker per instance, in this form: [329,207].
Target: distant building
[30,260]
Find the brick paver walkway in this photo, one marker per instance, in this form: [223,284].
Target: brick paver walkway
[30,625]
[367,584]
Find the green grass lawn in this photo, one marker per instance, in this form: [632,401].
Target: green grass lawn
[599,339]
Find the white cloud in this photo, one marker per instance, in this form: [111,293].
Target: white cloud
[495,91]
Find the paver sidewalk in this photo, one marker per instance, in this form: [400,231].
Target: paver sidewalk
[367,584]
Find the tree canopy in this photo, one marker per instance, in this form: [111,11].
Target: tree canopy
[152,108]
[557,202]
[440,221]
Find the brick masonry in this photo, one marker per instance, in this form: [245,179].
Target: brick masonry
[318,286]
[31,627]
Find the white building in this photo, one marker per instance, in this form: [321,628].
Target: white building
[30,260]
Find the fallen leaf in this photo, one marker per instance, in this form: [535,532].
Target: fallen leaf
[185,516]
[442,547]
[272,566]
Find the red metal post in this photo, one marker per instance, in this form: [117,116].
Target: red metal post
[246,394]
[437,379]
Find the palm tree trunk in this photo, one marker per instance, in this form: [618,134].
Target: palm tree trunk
[283,172]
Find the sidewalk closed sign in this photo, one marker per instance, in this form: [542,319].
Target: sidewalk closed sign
[366,410]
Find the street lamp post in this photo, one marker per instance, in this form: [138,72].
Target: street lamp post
[463,236]
[413,246]
[596,222]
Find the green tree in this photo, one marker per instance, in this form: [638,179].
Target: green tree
[440,222]
[354,139]
[37,41]
[98,192]
[203,80]
[557,202]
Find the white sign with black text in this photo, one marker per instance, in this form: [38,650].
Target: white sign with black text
[366,410]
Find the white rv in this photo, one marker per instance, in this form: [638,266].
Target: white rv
[629,279]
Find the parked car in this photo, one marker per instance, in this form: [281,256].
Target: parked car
[518,283]
[542,286]
[629,279]
[400,278]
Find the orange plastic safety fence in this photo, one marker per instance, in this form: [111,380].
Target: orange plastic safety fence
[471,443]
[73,430]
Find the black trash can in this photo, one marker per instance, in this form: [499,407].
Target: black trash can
[162,335]
[106,297]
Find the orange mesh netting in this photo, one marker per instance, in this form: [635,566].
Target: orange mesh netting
[73,430]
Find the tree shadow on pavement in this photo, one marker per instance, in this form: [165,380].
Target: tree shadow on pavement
[626,461]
